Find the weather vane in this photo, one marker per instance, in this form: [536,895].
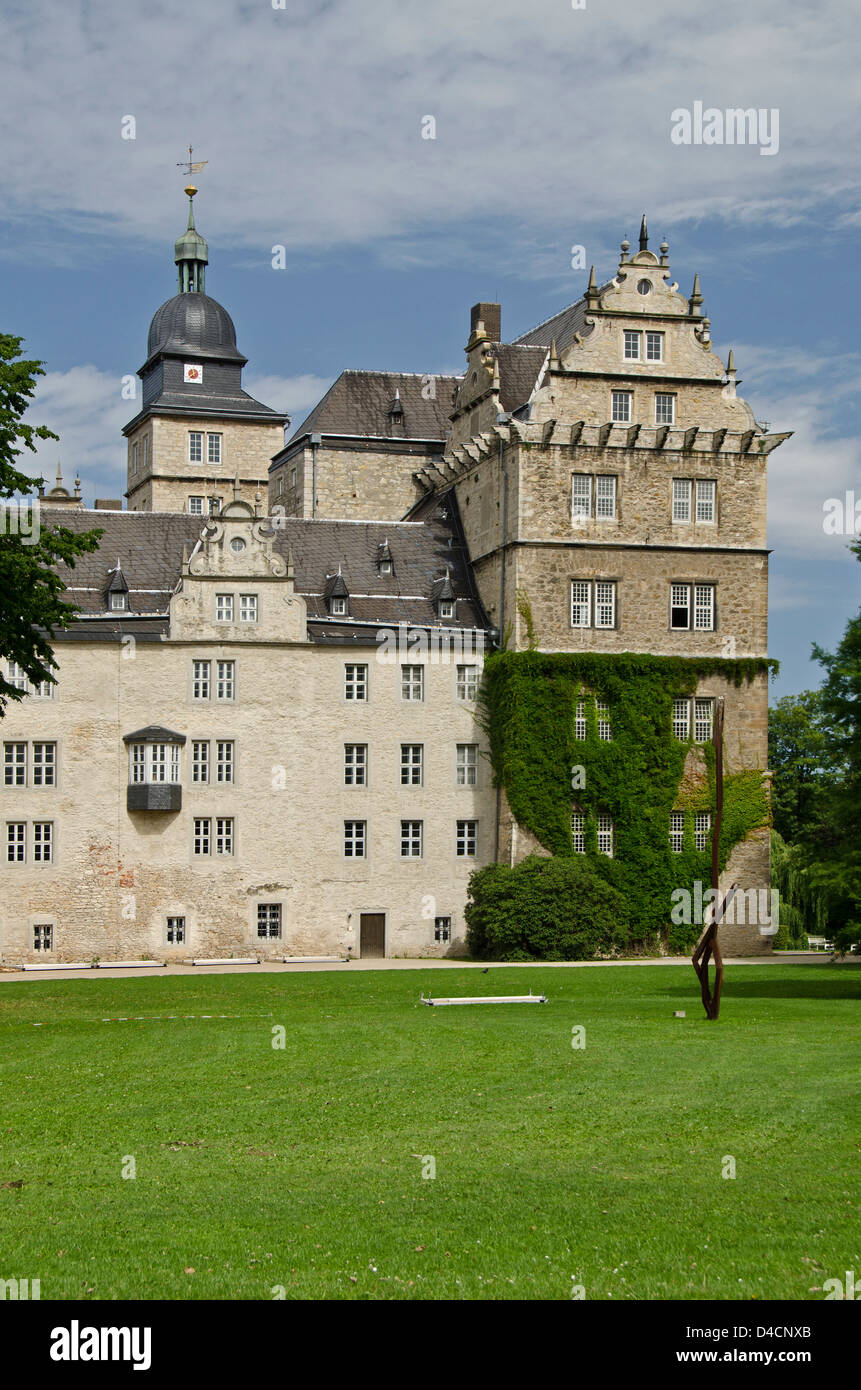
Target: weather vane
[189,166]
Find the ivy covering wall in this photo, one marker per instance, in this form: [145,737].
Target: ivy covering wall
[528,700]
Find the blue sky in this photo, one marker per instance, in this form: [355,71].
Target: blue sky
[552,130]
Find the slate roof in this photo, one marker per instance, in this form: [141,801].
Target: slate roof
[561,326]
[520,366]
[193,325]
[150,547]
[358,404]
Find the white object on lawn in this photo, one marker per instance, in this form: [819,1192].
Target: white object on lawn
[529,998]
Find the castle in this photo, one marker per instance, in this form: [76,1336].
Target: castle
[264,735]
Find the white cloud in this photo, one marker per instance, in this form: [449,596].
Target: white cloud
[311,119]
[84,406]
[295,394]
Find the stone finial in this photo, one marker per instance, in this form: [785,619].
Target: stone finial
[665,251]
[644,235]
[730,363]
[77,485]
[554,355]
[626,246]
[696,298]
[592,290]
[59,474]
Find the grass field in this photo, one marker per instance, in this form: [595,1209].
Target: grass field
[259,1167]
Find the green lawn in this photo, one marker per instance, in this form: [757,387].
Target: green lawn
[259,1167]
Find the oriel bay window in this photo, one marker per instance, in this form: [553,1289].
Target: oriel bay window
[154,769]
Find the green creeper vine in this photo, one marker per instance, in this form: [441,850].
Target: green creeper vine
[528,700]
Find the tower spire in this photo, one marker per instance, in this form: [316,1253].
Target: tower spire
[644,235]
[191,253]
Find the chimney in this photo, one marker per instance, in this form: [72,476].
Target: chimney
[491,316]
[108,504]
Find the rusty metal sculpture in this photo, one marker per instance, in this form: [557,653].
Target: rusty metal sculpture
[708,946]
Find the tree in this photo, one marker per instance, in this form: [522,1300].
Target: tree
[835,838]
[31,606]
[802,760]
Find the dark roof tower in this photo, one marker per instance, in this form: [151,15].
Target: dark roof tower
[193,365]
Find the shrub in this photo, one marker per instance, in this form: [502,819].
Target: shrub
[544,909]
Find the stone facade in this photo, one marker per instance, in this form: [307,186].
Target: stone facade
[164,478]
[116,876]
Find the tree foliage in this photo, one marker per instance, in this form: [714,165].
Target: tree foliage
[544,909]
[31,603]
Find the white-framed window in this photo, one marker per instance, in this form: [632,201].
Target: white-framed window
[175,931]
[195,506]
[134,458]
[145,443]
[44,764]
[154,762]
[292,477]
[682,499]
[225,684]
[43,841]
[43,936]
[605,835]
[593,493]
[213,448]
[654,347]
[224,608]
[446,608]
[412,757]
[605,603]
[224,760]
[202,835]
[631,350]
[280,484]
[385,565]
[704,607]
[224,835]
[702,829]
[200,680]
[665,408]
[680,605]
[677,831]
[44,690]
[605,733]
[412,682]
[200,761]
[355,764]
[605,496]
[580,719]
[467,839]
[467,682]
[593,603]
[355,682]
[682,719]
[411,839]
[16,842]
[119,602]
[703,720]
[622,407]
[248,608]
[578,831]
[581,495]
[15,764]
[16,675]
[195,446]
[706,489]
[269,921]
[467,764]
[338,606]
[355,839]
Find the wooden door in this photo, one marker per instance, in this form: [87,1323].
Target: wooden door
[372,935]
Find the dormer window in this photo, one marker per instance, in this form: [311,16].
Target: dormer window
[118,590]
[442,596]
[337,596]
[446,608]
[384,558]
